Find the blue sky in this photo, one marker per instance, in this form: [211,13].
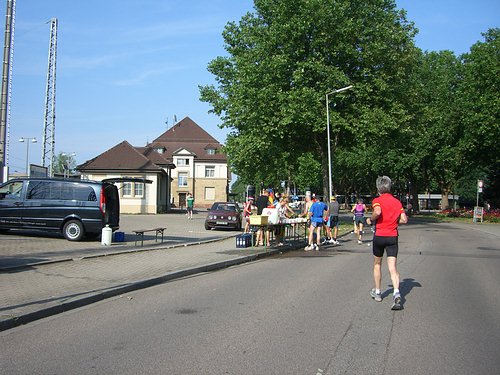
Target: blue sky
[126,67]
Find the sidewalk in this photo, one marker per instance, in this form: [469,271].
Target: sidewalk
[59,281]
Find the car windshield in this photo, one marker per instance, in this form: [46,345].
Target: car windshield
[224,207]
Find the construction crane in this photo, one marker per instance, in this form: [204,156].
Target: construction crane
[49,126]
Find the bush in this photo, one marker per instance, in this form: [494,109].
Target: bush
[491,216]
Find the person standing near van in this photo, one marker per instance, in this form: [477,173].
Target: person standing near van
[387,214]
[359,219]
[190,206]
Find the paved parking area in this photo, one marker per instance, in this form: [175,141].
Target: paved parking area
[45,274]
[19,248]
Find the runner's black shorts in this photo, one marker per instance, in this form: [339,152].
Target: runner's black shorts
[389,244]
[334,221]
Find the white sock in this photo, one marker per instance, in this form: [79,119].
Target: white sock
[377,291]
[396,291]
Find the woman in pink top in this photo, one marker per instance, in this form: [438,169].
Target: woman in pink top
[359,219]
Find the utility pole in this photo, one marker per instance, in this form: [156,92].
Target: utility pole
[6,87]
[49,127]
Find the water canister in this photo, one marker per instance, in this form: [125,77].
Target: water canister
[106,235]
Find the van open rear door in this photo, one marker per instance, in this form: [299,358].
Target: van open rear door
[127,179]
[110,204]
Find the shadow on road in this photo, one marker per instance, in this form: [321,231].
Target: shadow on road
[405,288]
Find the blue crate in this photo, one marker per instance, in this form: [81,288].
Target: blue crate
[244,240]
[118,237]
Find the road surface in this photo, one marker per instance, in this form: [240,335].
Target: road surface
[297,313]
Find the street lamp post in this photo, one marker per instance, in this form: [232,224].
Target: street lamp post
[328,137]
[27,140]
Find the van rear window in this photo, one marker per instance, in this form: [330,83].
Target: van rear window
[60,191]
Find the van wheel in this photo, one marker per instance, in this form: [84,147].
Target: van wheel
[73,230]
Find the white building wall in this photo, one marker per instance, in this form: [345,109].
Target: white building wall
[220,170]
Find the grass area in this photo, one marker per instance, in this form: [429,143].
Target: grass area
[440,218]
[345,227]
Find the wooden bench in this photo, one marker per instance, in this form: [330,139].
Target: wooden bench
[140,234]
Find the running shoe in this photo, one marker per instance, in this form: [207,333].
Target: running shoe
[316,247]
[331,241]
[309,248]
[375,296]
[396,305]
[360,242]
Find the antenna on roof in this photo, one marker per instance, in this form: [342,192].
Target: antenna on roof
[175,119]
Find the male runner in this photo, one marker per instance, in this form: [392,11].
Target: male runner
[387,213]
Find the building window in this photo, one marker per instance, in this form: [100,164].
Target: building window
[182,162]
[127,189]
[160,150]
[210,194]
[183,179]
[211,151]
[209,171]
[138,189]
[133,189]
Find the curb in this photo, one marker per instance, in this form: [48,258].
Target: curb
[13,322]
[118,252]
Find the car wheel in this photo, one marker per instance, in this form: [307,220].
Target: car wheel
[73,230]
[207,226]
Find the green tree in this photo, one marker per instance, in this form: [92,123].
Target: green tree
[239,188]
[479,106]
[437,133]
[65,163]
[308,173]
[282,60]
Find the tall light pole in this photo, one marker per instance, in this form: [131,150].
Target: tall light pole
[27,140]
[328,137]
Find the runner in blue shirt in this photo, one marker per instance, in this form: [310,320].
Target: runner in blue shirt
[316,213]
